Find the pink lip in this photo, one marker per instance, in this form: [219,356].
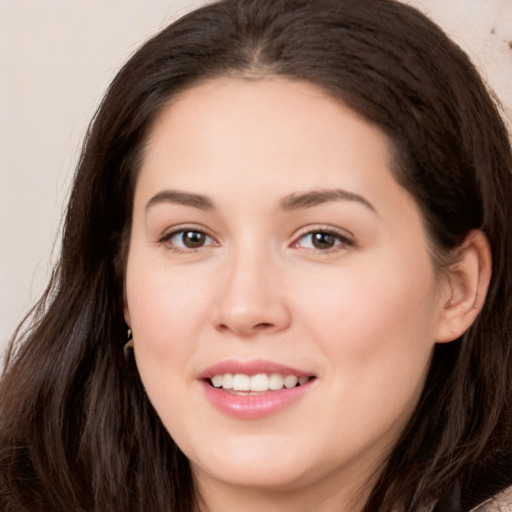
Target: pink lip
[252,406]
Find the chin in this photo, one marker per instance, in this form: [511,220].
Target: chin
[256,477]
[256,466]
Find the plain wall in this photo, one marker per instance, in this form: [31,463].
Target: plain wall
[57,58]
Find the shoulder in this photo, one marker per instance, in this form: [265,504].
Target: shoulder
[502,502]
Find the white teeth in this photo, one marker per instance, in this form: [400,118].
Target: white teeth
[217,381]
[259,382]
[276,381]
[227,381]
[290,381]
[241,382]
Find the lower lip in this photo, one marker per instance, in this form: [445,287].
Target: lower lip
[254,406]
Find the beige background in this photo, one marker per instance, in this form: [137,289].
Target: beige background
[56,59]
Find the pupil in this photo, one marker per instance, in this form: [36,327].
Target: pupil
[323,240]
[193,239]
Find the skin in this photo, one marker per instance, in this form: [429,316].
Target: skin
[363,316]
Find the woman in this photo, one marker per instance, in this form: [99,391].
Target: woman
[299,211]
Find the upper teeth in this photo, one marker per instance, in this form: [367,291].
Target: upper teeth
[259,382]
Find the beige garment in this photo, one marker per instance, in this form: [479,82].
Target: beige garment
[502,502]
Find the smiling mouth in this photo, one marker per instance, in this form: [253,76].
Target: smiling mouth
[240,383]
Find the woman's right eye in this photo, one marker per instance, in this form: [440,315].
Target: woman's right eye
[188,240]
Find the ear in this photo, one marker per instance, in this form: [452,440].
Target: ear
[466,284]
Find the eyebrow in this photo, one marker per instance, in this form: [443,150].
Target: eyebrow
[184,198]
[298,201]
[295,201]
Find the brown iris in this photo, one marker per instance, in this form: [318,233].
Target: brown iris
[323,240]
[193,239]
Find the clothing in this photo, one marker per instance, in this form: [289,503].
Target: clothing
[502,502]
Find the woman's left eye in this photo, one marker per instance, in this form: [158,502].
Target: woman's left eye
[188,239]
[322,240]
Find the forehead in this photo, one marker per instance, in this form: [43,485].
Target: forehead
[259,129]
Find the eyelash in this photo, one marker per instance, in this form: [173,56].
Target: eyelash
[341,241]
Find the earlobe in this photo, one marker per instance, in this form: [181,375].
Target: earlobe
[467,281]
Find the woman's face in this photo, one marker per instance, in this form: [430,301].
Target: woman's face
[271,242]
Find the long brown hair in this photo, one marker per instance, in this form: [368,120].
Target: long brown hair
[77,431]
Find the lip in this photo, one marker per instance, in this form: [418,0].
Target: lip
[253,405]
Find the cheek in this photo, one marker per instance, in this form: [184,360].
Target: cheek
[167,310]
[165,304]
[369,322]
[375,334]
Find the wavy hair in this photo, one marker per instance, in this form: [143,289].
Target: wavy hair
[77,431]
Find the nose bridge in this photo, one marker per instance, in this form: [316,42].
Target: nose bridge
[252,299]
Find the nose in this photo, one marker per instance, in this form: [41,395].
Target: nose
[253,300]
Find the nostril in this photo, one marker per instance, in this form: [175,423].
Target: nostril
[262,326]
[246,330]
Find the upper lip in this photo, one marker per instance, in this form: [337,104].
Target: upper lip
[250,368]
